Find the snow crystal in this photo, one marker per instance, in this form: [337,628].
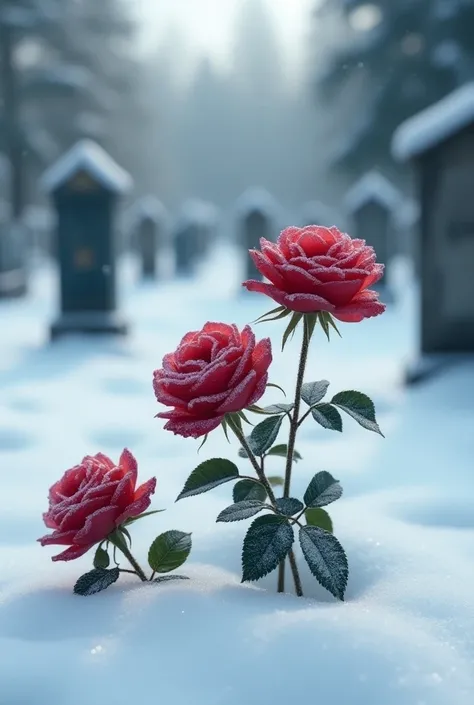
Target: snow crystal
[435,124]
[373,186]
[88,156]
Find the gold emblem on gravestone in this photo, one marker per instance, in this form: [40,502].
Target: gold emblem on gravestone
[84,259]
[82,181]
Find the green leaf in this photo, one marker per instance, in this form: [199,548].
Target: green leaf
[326,559]
[276,386]
[249,489]
[142,516]
[95,581]
[244,418]
[209,474]
[203,441]
[101,558]
[278,311]
[264,435]
[277,409]
[319,517]
[242,510]
[313,392]
[310,322]
[290,330]
[327,417]
[275,480]
[322,490]
[281,451]
[234,419]
[117,539]
[324,323]
[169,578]
[330,320]
[360,407]
[266,544]
[242,452]
[289,506]
[168,551]
[224,428]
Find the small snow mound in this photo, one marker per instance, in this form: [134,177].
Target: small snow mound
[435,124]
[373,186]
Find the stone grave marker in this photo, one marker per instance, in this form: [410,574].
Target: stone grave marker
[256,217]
[439,142]
[147,232]
[371,205]
[84,186]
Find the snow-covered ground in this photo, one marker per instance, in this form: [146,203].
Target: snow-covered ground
[404,636]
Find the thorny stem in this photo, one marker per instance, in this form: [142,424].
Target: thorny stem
[294,422]
[271,495]
[136,566]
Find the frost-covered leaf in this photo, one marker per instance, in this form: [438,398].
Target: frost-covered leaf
[264,435]
[266,544]
[327,417]
[249,489]
[319,517]
[326,559]
[275,480]
[142,516]
[281,451]
[277,409]
[322,490]
[360,407]
[209,474]
[313,392]
[289,506]
[241,510]
[169,578]
[95,581]
[169,550]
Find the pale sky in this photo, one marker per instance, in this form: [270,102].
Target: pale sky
[208,23]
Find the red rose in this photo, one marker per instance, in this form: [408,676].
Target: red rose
[213,372]
[91,500]
[319,269]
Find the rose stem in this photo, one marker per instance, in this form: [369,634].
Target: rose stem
[261,476]
[122,546]
[291,450]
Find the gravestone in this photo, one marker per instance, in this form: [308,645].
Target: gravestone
[147,229]
[406,224]
[256,215]
[13,270]
[317,213]
[439,142]
[371,205]
[84,186]
[192,234]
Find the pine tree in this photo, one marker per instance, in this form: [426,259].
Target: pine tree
[402,55]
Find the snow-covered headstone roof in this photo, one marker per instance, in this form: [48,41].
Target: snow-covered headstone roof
[435,124]
[256,199]
[372,187]
[318,213]
[87,156]
[408,214]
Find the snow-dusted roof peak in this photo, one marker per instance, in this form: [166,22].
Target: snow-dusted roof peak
[317,213]
[87,156]
[373,186]
[258,199]
[435,124]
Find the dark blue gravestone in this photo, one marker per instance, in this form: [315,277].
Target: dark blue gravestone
[84,186]
[13,271]
[148,234]
[439,141]
[256,216]
[371,205]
